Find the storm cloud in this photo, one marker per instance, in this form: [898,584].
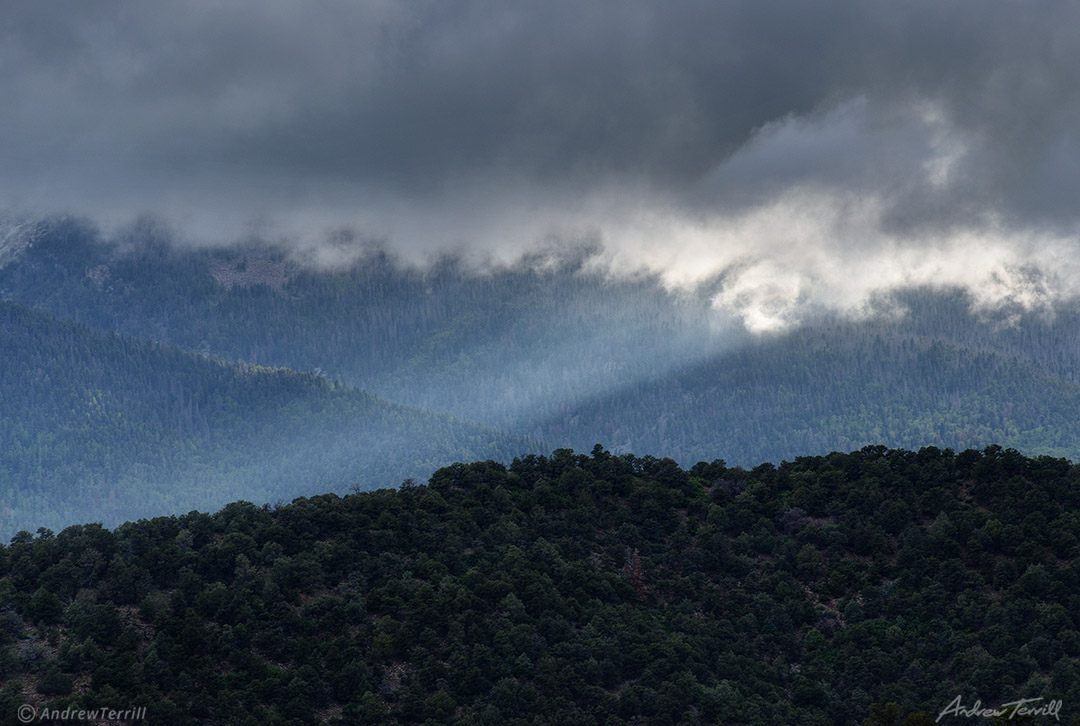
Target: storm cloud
[793,154]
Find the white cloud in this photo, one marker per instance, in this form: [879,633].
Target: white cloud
[792,156]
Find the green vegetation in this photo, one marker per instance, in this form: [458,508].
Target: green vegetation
[844,386]
[502,349]
[866,588]
[872,587]
[566,358]
[100,427]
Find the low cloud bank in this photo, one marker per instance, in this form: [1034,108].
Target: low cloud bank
[791,156]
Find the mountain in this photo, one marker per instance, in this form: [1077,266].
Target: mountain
[866,588]
[502,348]
[836,386]
[101,427]
[550,351]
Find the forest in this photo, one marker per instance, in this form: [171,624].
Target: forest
[215,483]
[564,357]
[101,427]
[872,587]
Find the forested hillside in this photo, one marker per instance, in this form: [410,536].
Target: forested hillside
[562,356]
[842,386]
[503,348]
[101,427]
[865,588]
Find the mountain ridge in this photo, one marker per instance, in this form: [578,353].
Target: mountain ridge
[99,424]
[558,356]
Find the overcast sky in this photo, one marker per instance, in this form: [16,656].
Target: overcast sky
[810,152]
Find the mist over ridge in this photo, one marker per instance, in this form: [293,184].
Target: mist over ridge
[656,227]
[806,156]
[782,267]
[553,351]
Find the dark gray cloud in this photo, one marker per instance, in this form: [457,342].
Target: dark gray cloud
[667,129]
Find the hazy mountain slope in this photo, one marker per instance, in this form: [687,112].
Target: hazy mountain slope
[495,348]
[102,427]
[569,359]
[573,590]
[819,391]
